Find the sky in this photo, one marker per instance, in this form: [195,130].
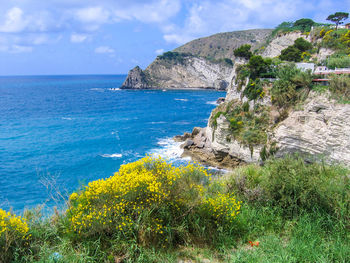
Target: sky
[56,37]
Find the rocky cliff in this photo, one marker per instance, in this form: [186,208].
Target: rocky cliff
[321,129]
[318,128]
[279,43]
[191,72]
[203,63]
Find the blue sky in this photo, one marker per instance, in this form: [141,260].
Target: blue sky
[39,37]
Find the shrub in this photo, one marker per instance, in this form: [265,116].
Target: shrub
[302,44]
[243,51]
[337,39]
[13,233]
[257,65]
[176,57]
[246,126]
[339,85]
[228,61]
[152,202]
[296,186]
[304,24]
[296,51]
[254,90]
[292,85]
[242,73]
[291,53]
[338,62]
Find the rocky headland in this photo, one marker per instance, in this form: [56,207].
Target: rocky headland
[246,129]
[204,63]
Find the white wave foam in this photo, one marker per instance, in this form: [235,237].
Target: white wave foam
[157,122]
[181,122]
[114,155]
[212,103]
[181,99]
[114,89]
[67,118]
[169,149]
[97,89]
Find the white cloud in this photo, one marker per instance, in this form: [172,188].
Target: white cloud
[208,17]
[104,50]
[14,21]
[93,15]
[159,51]
[78,38]
[31,22]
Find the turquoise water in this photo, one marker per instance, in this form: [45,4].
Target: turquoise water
[74,129]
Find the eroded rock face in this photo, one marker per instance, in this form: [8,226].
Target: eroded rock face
[221,141]
[136,79]
[321,129]
[279,43]
[324,53]
[192,73]
[199,148]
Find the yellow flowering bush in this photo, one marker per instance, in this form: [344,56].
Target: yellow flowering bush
[151,200]
[13,230]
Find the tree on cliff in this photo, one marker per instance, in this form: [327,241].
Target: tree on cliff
[304,24]
[338,18]
[243,51]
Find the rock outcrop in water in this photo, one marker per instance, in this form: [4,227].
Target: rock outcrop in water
[136,79]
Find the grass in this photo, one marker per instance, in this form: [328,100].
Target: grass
[317,231]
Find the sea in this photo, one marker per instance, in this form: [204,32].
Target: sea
[58,133]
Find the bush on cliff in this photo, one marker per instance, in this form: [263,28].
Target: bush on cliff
[13,233]
[152,203]
[291,86]
[339,85]
[243,51]
[295,186]
[294,53]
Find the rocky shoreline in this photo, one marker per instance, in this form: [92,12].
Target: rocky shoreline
[197,146]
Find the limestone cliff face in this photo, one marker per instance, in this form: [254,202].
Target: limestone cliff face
[279,43]
[193,72]
[321,129]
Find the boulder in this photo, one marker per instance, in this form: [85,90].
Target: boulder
[220,100]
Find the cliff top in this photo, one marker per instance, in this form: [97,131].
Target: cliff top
[222,45]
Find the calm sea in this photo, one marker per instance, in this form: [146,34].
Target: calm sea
[74,129]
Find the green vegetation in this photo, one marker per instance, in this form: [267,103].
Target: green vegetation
[338,18]
[176,57]
[256,68]
[243,51]
[303,25]
[246,126]
[338,40]
[296,187]
[339,85]
[291,86]
[339,59]
[292,211]
[295,52]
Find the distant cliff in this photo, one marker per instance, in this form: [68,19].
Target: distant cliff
[204,63]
